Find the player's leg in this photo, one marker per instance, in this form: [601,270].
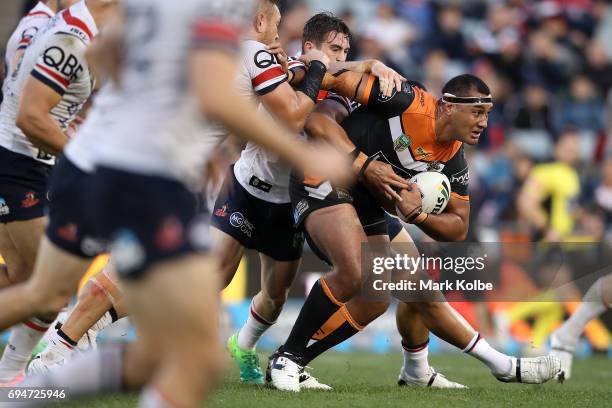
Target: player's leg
[178,301]
[266,306]
[336,231]
[19,246]
[100,304]
[229,251]
[564,340]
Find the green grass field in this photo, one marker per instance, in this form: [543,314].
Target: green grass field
[368,380]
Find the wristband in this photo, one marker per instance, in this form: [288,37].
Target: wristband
[420,218]
[354,154]
[365,166]
[312,81]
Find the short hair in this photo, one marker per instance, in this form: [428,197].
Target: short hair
[461,85]
[318,27]
[263,5]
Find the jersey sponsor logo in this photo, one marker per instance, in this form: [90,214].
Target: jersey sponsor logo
[30,200]
[260,184]
[128,252]
[461,177]
[238,220]
[402,143]
[28,34]
[4,208]
[68,232]
[435,166]
[263,59]
[221,212]
[67,65]
[300,208]
[422,153]
[170,234]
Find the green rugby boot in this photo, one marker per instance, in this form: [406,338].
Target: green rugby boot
[247,360]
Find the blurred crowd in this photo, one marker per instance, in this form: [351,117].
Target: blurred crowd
[549,66]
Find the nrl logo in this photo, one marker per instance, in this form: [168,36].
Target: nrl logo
[435,166]
[402,143]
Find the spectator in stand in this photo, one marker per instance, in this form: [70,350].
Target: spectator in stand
[448,36]
[583,110]
[530,110]
[598,67]
[547,201]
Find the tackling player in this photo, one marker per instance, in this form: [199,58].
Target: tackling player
[421,134]
[43,96]
[254,210]
[142,196]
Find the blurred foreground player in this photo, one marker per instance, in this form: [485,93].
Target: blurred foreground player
[150,160]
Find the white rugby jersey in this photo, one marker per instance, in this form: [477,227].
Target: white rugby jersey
[27,28]
[260,172]
[156,125]
[82,148]
[55,57]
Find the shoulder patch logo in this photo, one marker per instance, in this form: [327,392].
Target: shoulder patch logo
[402,143]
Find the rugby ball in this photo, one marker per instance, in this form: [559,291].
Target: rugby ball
[435,190]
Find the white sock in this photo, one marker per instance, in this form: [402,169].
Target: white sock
[22,342]
[58,345]
[105,321]
[592,306]
[416,364]
[86,375]
[151,397]
[253,329]
[498,363]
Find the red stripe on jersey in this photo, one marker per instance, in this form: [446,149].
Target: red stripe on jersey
[77,22]
[265,76]
[25,40]
[39,13]
[54,75]
[209,30]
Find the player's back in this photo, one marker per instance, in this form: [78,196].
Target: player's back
[157,127]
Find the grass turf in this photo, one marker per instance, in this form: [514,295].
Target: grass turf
[368,380]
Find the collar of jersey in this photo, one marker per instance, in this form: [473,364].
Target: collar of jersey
[80,11]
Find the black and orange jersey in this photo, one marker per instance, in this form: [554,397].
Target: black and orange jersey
[401,131]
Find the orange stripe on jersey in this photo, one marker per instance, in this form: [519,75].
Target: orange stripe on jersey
[275,72]
[419,124]
[312,181]
[366,94]
[460,197]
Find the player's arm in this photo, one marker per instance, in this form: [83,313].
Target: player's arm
[212,70]
[33,118]
[293,106]
[323,124]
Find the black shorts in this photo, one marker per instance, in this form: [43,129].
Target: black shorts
[306,198]
[146,219]
[257,224]
[394,226]
[23,187]
[70,225]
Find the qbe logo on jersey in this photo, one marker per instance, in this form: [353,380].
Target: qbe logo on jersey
[238,220]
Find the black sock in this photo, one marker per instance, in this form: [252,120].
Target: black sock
[113,314]
[65,337]
[317,309]
[344,332]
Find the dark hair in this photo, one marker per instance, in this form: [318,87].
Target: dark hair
[462,85]
[320,25]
